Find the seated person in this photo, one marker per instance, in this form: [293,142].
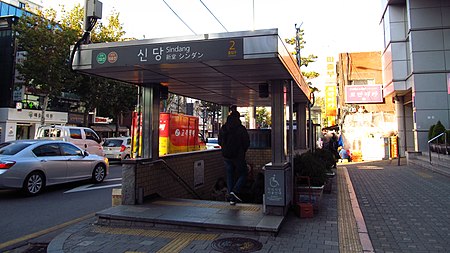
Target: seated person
[343,153]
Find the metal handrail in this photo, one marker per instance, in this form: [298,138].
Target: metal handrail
[433,139]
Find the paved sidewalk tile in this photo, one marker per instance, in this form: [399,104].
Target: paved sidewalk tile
[406,208]
[318,234]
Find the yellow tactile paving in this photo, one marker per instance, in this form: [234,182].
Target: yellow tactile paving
[252,208]
[348,233]
[179,242]
[176,245]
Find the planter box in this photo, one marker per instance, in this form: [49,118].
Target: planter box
[309,194]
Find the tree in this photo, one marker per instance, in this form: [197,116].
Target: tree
[44,68]
[97,92]
[263,117]
[304,61]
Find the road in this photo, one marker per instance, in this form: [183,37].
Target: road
[21,216]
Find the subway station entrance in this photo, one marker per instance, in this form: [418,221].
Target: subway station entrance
[247,69]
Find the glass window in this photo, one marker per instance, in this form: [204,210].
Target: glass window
[91,135]
[12,11]
[70,150]
[22,5]
[47,150]
[128,141]
[75,133]
[50,132]
[4,9]
[13,148]
[112,143]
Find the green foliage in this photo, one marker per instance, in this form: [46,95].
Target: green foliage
[430,132]
[311,166]
[438,129]
[47,42]
[327,157]
[263,117]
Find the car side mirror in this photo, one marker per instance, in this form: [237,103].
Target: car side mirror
[85,153]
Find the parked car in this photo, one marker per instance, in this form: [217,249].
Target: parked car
[84,137]
[31,165]
[118,148]
[212,143]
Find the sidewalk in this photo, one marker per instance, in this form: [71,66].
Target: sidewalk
[406,209]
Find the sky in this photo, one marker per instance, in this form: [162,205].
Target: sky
[330,26]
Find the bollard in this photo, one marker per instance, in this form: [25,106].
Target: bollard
[116,197]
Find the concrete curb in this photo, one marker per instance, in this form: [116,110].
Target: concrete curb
[364,238]
[57,243]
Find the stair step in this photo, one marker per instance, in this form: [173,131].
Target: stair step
[423,162]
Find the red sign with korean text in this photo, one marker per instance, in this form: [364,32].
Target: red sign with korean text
[363,94]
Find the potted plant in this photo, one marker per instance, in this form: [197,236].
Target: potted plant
[310,172]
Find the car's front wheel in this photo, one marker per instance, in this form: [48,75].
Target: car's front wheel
[99,173]
[34,183]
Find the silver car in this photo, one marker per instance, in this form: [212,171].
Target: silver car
[33,164]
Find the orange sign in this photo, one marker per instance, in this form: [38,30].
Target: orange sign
[330,100]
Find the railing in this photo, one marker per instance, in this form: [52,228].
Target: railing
[435,138]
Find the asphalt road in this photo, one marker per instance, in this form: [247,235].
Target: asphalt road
[21,216]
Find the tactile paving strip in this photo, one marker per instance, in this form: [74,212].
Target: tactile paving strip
[348,232]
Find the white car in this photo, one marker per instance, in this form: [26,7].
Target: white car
[117,148]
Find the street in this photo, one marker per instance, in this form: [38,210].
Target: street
[21,216]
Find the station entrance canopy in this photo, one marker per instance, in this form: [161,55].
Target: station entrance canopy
[224,68]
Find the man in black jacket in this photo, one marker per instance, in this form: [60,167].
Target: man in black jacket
[234,140]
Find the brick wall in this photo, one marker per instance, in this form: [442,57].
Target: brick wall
[155,177]
[257,158]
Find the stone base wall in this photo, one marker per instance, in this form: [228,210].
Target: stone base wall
[143,178]
[156,178]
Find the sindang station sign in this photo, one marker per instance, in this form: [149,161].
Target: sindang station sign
[176,52]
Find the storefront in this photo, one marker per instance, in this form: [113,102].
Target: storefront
[22,124]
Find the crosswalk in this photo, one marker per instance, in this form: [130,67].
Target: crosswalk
[91,187]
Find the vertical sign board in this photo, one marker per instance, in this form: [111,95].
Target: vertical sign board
[330,100]
[199,173]
[274,183]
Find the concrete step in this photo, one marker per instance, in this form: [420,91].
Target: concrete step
[192,214]
[439,164]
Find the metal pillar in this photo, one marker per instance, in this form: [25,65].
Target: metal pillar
[150,121]
[300,136]
[277,187]
[400,111]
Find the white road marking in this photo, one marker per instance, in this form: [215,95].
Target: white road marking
[113,179]
[89,188]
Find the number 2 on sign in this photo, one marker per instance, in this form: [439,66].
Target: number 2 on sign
[232,49]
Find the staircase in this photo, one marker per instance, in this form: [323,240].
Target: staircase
[440,163]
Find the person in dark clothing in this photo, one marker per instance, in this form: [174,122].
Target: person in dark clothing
[234,140]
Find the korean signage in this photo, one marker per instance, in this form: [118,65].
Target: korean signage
[363,94]
[330,100]
[174,52]
[274,184]
[102,120]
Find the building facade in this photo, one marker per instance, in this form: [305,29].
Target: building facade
[366,118]
[416,66]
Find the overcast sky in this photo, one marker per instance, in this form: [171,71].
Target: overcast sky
[331,26]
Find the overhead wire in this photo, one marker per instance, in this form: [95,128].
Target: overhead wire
[176,14]
[213,15]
